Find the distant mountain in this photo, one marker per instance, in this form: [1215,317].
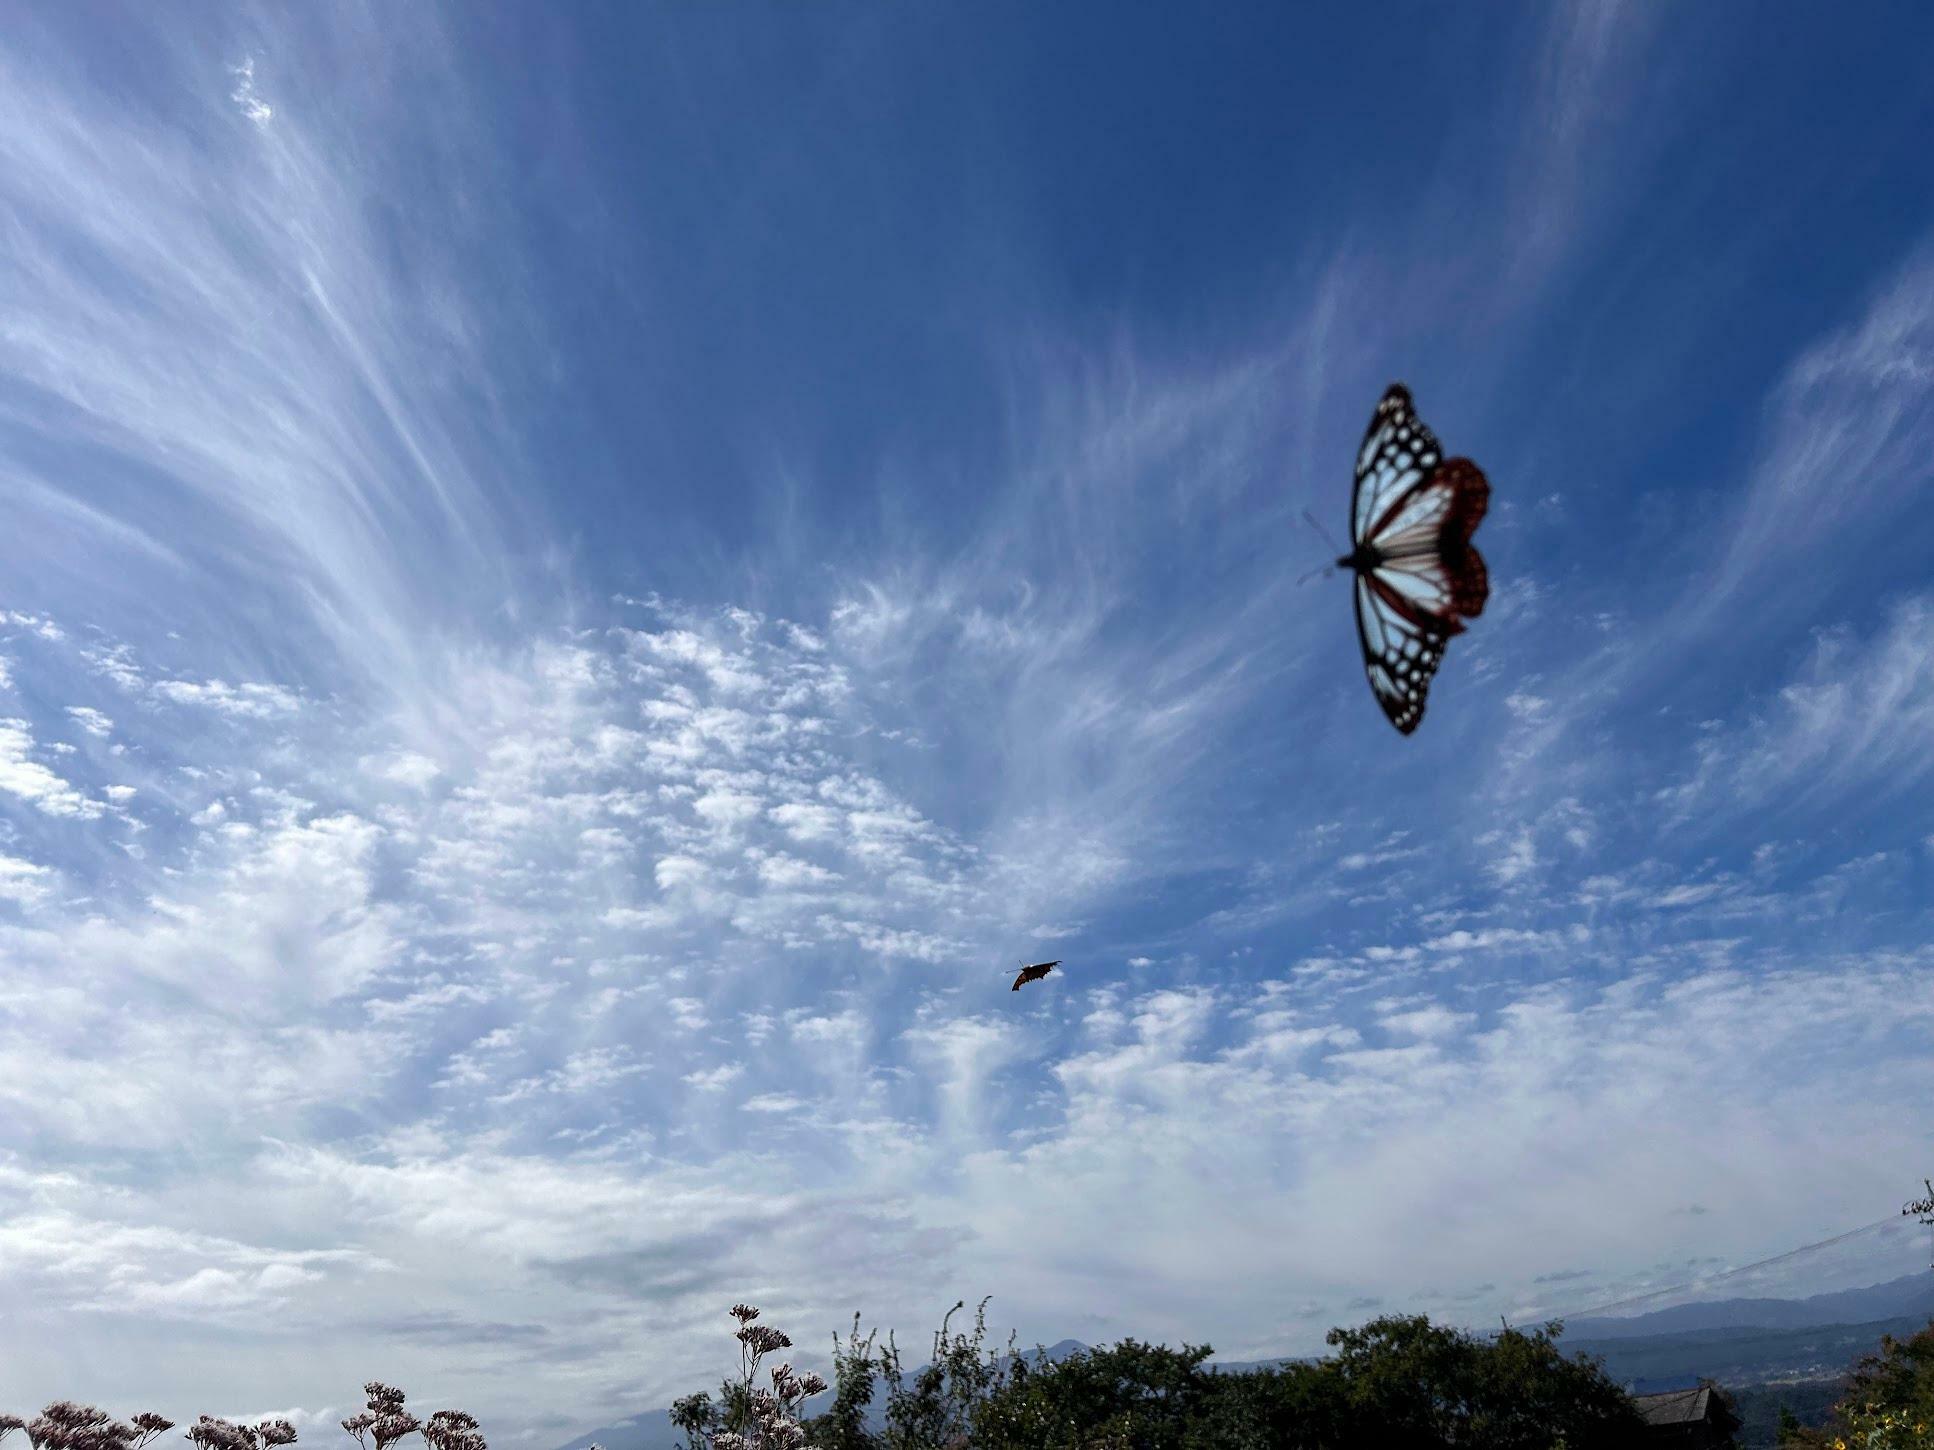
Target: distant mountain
[1912,1295]
[653,1429]
[1740,1354]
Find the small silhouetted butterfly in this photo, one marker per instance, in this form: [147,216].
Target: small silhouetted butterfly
[1412,514]
[1034,973]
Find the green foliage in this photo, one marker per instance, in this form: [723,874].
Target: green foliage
[1394,1381]
[698,1417]
[843,1425]
[1888,1405]
[1404,1380]
[734,1407]
[1142,1395]
[935,1411]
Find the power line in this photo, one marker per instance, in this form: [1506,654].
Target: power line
[1704,1280]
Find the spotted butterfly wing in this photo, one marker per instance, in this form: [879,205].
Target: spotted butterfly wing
[1412,514]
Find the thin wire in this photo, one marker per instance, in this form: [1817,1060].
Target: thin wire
[1729,1273]
[1314,523]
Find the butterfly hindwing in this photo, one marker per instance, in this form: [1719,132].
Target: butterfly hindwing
[1424,538]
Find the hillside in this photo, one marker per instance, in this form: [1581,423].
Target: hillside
[1908,1296]
[1742,1355]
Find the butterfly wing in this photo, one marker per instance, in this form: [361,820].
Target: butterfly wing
[1400,654]
[1398,453]
[1424,539]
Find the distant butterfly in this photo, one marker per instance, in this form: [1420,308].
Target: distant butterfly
[1412,515]
[1034,973]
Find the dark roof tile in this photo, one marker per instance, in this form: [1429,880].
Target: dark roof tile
[1676,1407]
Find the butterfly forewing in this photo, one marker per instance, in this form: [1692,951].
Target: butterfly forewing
[1398,453]
[1412,521]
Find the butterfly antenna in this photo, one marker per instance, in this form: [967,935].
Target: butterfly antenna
[1326,570]
[1316,524]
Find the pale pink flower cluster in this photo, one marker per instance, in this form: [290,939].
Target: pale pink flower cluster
[65,1425]
[774,1419]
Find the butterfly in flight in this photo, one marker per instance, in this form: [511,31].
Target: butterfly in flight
[1034,973]
[1412,514]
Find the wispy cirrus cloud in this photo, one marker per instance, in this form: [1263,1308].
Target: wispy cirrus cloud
[303,448]
[1848,441]
[1854,716]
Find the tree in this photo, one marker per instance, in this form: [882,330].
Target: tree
[1143,1395]
[697,1417]
[1406,1380]
[1394,1381]
[1889,1401]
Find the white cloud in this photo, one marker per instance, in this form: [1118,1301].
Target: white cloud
[772,1103]
[1852,430]
[673,872]
[244,95]
[38,625]
[789,873]
[1854,714]
[1515,855]
[36,783]
[1429,1023]
[23,882]
[715,1079]
[807,822]
[410,769]
[91,720]
[254,701]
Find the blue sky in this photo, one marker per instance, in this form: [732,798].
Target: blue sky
[575,587]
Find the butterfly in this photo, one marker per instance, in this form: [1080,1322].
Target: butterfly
[1412,514]
[1034,973]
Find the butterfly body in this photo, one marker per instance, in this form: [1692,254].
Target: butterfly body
[1418,577]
